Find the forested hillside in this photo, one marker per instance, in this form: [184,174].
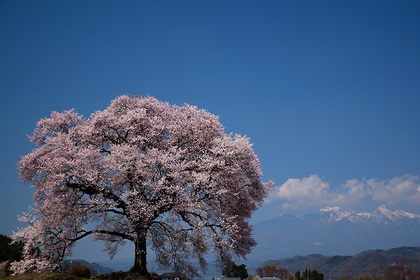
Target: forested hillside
[9,251]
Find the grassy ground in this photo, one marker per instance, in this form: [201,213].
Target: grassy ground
[42,276]
[61,276]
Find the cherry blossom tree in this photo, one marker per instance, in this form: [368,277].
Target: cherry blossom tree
[161,176]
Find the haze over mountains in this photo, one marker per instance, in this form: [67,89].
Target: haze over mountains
[335,231]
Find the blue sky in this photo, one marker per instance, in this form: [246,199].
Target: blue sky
[328,91]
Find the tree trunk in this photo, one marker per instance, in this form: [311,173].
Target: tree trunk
[140,263]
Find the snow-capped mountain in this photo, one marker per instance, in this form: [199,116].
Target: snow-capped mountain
[382,215]
[335,231]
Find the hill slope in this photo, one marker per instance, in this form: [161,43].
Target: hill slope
[335,266]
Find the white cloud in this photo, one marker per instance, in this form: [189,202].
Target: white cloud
[308,192]
[399,189]
[309,187]
[311,192]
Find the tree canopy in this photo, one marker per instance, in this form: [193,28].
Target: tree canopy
[272,270]
[143,171]
[233,270]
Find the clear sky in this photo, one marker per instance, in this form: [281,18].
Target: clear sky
[328,91]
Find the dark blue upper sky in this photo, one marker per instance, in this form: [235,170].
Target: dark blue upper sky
[323,88]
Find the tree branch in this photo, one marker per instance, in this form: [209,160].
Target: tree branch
[114,233]
[106,193]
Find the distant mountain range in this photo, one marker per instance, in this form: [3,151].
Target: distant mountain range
[335,231]
[334,266]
